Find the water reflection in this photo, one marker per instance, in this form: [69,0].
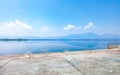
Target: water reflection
[8,48]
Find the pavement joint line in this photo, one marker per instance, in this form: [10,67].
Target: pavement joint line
[7,63]
[73,65]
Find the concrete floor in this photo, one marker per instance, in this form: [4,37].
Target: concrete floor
[100,62]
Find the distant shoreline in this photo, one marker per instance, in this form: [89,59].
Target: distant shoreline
[20,39]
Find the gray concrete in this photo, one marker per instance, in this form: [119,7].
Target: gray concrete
[101,62]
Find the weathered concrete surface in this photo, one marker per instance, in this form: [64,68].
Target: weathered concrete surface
[102,62]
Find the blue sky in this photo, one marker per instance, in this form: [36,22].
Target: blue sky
[58,17]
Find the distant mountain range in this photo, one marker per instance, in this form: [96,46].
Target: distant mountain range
[73,36]
[93,36]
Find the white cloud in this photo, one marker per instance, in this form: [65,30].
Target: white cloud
[23,24]
[45,28]
[69,27]
[90,25]
[16,24]
[76,28]
[14,28]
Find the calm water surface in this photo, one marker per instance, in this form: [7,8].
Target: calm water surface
[25,47]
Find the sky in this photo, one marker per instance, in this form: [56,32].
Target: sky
[58,17]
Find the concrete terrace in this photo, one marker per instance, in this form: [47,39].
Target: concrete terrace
[99,62]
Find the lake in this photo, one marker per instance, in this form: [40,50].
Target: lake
[43,46]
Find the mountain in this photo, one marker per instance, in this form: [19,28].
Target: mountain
[73,36]
[93,36]
[112,36]
[83,36]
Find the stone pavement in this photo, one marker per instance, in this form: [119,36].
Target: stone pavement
[99,62]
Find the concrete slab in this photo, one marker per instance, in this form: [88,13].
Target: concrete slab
[100,62]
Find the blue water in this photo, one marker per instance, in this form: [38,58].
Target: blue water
[25,47]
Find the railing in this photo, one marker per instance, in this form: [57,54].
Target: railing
[113,44]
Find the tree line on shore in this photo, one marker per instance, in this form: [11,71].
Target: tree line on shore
[18,39]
